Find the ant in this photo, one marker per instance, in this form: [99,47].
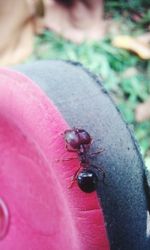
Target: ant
[79,141]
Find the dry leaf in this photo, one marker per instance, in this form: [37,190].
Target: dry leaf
[145,38]
[139,45]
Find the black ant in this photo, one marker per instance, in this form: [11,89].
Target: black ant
[79,140]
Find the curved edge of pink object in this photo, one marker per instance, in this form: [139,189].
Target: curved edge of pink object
[44,212]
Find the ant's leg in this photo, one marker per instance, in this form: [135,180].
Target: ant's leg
[74,177]
[70,150]
[67,159]
[70,158]
[96,153]
[101,171]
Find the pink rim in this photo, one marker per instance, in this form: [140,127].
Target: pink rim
[67,218]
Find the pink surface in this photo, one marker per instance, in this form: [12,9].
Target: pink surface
[43,212]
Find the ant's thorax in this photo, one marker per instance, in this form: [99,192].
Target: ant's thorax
[83,156]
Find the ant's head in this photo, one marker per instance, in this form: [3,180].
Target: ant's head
[76,137]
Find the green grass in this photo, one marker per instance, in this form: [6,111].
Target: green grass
[125,75]
[121,5]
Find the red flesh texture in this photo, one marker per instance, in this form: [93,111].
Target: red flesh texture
[44,213]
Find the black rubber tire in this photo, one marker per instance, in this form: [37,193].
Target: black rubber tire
[84,103]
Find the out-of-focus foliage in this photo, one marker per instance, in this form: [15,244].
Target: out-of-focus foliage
[120,5]
[124,74]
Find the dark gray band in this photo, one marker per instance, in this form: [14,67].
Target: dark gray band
[81,99]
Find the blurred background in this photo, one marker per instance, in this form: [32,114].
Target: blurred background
[111,38]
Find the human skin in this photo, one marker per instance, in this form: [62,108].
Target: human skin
[76,20]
